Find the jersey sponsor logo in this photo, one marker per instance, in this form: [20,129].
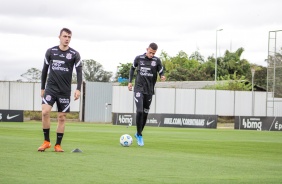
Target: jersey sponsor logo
[64,100]
[54,49]
[154,58]
[61,55]
[48,98]
[69,55]
[145,72]
[142,57]
[138,94]
[11,117]
[144,69]
[142,63]
[59,62]
[153,63]
[55,54]
[56,65]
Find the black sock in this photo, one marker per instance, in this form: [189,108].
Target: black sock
[59,138]
[139,123]
[46,134]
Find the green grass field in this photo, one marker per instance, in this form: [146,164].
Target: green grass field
[170,155]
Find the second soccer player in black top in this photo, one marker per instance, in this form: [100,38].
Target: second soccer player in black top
[148,66]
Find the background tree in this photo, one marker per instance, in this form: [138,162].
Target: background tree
[74,78]
[197,56]
[231,63]
[93,71]
[123,70]
[195,68]
[32,75]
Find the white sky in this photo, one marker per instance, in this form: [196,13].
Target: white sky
[115,31]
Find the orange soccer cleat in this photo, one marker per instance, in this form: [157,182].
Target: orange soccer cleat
[44,146]
[58,148]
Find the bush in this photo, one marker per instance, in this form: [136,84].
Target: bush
[37,115]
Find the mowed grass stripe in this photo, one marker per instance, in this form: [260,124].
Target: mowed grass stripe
[170,155]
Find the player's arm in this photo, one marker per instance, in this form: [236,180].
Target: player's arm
[131,74]
[161,71]
[78,67]
[45,71]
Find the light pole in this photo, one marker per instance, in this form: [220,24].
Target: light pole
[253,70]
[215,63]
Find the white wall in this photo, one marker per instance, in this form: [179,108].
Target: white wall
[26,96]
[198,101]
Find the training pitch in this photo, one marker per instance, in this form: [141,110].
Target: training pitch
[170,155]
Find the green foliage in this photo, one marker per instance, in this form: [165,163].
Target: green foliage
[197,56]
[195,68]
[74,78]
[32,75]
[123,83]
[37,115]
[123,70]
[93,71]
[232,82]
[178,74]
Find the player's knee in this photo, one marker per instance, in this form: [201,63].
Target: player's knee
[61,118]
[45,113]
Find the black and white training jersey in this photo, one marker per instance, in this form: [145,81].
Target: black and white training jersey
[60,64]
[147,73]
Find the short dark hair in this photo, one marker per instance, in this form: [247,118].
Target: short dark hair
[65,30]
[153,46]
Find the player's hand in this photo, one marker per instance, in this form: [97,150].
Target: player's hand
[76,94]
[129,86]
[163,78]
[42,93]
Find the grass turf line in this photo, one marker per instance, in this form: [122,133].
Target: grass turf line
[170,155]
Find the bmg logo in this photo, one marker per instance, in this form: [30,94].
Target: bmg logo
[252,123]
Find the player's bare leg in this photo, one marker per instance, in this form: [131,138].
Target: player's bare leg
[46,109]
[60,131]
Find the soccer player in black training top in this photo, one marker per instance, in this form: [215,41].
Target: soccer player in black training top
[60,61]
[148,66]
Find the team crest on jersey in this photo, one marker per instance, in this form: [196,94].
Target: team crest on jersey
[137,94]
[69,55]
[48,97]
[153,63]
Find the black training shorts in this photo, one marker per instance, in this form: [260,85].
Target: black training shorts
[62,101]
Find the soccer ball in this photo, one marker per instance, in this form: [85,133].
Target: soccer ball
[125,140]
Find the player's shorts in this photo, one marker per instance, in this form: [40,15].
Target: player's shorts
[62,101]
[143,102]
